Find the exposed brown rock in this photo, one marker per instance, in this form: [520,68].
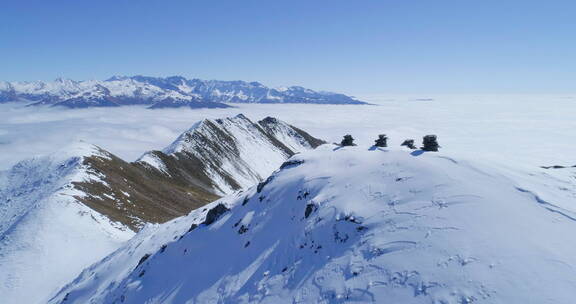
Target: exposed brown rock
[133,195]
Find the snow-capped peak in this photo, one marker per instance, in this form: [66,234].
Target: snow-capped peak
[235,152]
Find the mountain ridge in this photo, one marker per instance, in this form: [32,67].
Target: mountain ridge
[160,92]
[231,163]
[103,200]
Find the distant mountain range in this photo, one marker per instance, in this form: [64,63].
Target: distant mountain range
[159,92]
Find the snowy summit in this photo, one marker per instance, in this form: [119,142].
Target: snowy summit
[349,225]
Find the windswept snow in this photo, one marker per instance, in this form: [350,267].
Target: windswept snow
[354,224]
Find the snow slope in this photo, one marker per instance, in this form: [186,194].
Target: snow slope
[353,224]
[46,236]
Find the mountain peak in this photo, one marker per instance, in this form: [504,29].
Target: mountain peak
[117,78]
[236,152]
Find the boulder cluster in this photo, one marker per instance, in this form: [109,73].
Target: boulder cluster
[429,142]
[381,141]
[347,141]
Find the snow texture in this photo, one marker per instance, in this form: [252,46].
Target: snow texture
[350,225]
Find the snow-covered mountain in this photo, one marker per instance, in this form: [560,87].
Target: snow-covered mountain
[63,212]
[228,154]
[350,225]
[213,158]
[160,92]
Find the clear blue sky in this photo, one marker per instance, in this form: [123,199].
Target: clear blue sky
[356,47]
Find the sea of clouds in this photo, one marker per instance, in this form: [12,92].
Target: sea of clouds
[518,130]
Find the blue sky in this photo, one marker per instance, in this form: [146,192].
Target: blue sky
[356,47]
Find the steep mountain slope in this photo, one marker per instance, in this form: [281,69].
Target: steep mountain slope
[160,92]
[229,154]
[213,158]
[46,236]
[342,225]
[61,213]
[134,195]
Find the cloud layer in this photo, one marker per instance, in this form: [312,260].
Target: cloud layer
[534,130]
